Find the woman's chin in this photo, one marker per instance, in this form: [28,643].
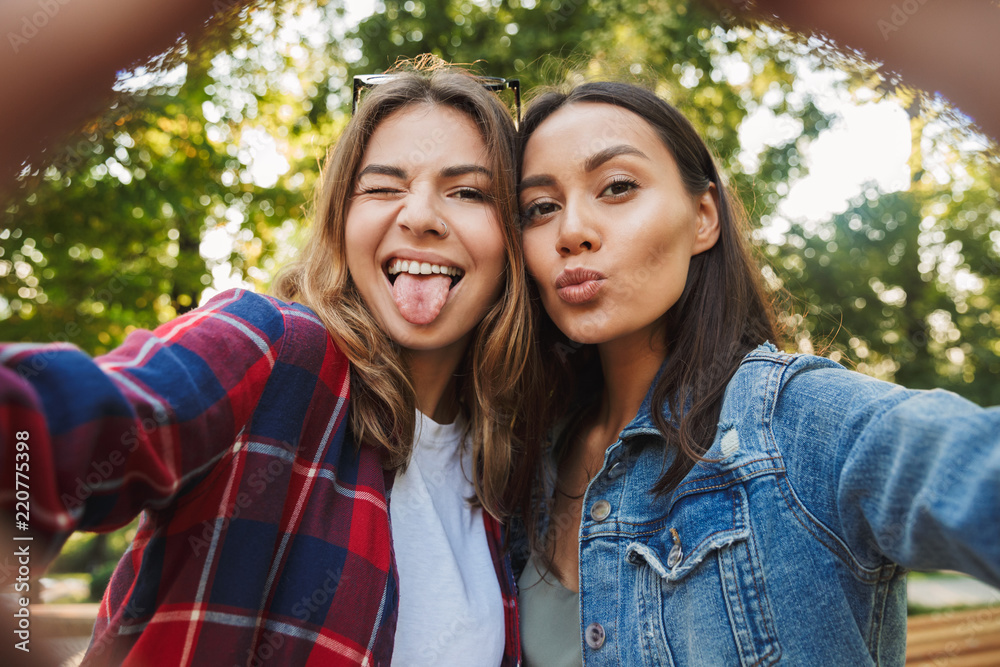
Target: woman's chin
[437,335]
[585,337]
[585,330]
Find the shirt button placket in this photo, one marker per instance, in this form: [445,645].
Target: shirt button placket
[594,635]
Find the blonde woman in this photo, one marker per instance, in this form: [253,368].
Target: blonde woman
[260,438]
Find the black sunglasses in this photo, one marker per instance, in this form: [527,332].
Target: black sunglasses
[495,83]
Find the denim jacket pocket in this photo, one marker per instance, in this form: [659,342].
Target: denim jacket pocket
[703,567]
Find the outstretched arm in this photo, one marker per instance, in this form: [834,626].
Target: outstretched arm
[99,440]
[911,477]
[59,58]
[947,47]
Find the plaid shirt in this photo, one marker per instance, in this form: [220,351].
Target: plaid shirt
[265,532]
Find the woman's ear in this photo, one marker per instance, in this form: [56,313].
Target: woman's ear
[708,220]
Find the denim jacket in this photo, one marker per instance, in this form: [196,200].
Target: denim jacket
[792,544]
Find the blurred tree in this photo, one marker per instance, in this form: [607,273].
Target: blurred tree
[201,173]
[909,280]
[94,554]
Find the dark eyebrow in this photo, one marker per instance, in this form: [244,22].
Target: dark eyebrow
[540,181]
[600,157]
[462,169]
[447,172]
[592,163]
[384,170]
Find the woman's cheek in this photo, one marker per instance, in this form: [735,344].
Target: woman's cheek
[531,242]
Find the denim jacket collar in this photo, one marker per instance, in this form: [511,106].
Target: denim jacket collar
[732,454]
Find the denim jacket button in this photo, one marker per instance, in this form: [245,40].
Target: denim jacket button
[600,510]
[615,471]
[675,556]
[595,635]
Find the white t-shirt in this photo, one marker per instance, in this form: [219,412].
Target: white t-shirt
[450,607]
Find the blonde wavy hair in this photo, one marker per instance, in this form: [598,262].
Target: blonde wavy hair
[496,381]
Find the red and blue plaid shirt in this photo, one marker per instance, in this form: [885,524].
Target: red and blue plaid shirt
[264,535]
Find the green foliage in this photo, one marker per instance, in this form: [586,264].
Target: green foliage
[160,198]
[109,235]
[93,556]
[83,551]
[910,279]
[81,589]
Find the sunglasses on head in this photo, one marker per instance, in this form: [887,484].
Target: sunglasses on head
[495,83]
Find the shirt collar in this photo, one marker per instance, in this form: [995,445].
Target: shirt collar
[643,422]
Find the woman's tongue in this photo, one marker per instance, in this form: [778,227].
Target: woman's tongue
[420,297]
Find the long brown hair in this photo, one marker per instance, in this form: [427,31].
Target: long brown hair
[496,374]
[723,311]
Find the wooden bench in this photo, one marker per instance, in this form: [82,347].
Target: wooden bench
[65,620]
[954,639]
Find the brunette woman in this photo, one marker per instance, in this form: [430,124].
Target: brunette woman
[712,500]
[260,438]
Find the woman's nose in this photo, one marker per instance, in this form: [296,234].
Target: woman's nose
[421,215]
[577,233]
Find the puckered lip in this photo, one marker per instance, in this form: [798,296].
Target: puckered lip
[577,276]
[579,286]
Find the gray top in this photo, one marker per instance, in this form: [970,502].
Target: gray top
[550,620]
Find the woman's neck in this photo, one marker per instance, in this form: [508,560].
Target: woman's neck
[432,373]
[629,366]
